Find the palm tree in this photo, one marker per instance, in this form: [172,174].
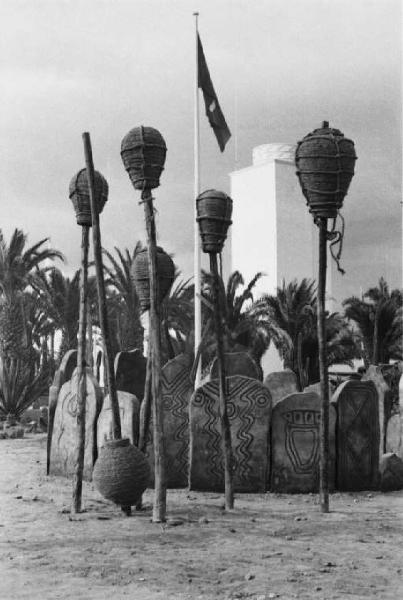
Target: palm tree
[177,321]
[293,309]
[19,269]
[123,302]
[59,297]
[378,318]
[22,377]
[243,326]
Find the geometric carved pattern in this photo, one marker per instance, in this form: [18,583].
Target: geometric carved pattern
[296,443]
[358,435]
[249,410]
[64,437]
[63,374]
[176,390]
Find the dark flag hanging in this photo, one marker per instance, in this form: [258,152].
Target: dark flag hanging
[213,110]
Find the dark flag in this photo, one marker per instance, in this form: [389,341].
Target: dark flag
[213,110]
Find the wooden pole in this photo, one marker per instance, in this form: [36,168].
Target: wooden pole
[145,409]
[103,314]
[197,247]
[90,349]
[81,376]
[159,508]
[225,425]
[324,377]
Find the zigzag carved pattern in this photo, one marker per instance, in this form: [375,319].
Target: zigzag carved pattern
[175,396]
[244,402]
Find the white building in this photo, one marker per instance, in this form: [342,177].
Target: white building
[272,230]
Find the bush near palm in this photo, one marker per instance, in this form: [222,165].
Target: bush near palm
[378,319]
[22,375]
[124,312]
[293,311]
[59,298]
[177,319]
[244,327]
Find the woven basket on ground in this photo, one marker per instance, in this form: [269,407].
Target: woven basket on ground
[121,473]
[141,276]
[80,195]
[214,210]
[325,162]
[143,153]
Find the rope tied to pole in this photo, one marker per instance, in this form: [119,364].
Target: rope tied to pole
[336,238]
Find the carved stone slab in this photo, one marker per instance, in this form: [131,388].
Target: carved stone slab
[236,363]
[374,374]
[295,443]
[129,408]
[391,472]
[63,374]
[249,411]
[177,389]
[281,384]
[358,435]
[64,438]
[130,372]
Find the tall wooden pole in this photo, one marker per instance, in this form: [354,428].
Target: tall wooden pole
[225,425]
[81,376]
[197,249]
[103,315]
[145,409]
[324,376]
[159,508]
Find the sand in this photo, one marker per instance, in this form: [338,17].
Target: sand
[270,546]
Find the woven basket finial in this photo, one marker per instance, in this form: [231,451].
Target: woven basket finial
[143,153]
[214,210]
[80,196]
[325,162]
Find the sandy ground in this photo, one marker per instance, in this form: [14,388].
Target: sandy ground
[270,546]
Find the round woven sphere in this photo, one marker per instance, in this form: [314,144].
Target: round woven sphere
[325,162]
[214,210]
[143,153]
[121,473]
[141,276]
[80,196]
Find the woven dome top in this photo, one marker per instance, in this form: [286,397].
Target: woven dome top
[143,152]
[79,185]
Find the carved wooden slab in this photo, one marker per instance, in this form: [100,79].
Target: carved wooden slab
[130,372]
[129,408]
[64,438]
[249,411]
[296,444]
[236,363]
[63,374]
[177,389]
[358,435]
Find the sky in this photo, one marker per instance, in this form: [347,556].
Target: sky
[279,68]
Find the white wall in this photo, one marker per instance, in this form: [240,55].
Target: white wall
[253,232]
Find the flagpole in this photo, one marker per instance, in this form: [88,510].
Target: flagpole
[197,250]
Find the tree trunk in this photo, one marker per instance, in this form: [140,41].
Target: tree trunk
[102,307]
[81,377]
[324,377]
[159,508]
[225,425]
[375,346]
